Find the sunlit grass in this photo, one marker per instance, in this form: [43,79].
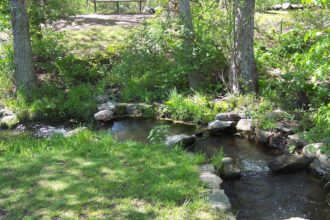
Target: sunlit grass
[88,41]
[92,176]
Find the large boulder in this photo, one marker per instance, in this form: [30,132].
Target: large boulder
[289,163]
[228,116]
[111,106]
[263,136]
[219,126]
[185,140]
[245,125]
[104,115]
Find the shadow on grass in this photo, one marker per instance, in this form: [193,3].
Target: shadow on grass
[124,181]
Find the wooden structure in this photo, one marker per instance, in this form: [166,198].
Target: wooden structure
[117,1]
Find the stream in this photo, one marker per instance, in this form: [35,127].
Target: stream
[258,195]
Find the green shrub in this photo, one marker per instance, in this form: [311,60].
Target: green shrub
[195,108]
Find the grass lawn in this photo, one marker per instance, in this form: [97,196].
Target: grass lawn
[91,176]
[88,41]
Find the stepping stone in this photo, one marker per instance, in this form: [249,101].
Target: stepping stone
[219,200]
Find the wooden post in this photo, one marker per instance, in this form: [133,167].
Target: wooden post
[118,7]
[140,6]
[95,6]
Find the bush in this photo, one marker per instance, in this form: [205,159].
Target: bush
[195,108]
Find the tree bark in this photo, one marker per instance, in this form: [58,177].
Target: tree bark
[243,75]
[188,44]
[22,48]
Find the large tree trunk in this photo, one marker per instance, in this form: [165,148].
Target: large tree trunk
[243,75]
[22,48]
[188,44]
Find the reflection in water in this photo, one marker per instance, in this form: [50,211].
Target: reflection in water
[138,129]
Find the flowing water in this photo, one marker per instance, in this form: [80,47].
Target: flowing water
[258,195]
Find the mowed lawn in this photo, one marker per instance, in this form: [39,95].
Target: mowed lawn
[91,176]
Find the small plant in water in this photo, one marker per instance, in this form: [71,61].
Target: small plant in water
[217,158]
[158,133]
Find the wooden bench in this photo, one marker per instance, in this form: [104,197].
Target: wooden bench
[99,1]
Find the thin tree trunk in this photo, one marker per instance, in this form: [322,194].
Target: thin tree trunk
[188,44]
[22,48]
[243,75]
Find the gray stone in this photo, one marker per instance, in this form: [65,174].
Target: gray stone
[219,201]
[210,180]
[320,169]
[245,125]
[262,136]
[104,115]
[286,6]
[102,98]
[9,121]
[322,157]
[229,170]
[286,127]
[227,161]
[107,106]
[228,116]
[311,149]
[183,139]
[287,163]
[206,168]
[297,140]
[218,126]
[277,7]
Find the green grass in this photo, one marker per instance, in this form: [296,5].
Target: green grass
[93,40]
[92,176]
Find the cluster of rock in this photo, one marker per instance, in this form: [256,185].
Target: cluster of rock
[8,119]
[109,110]
[311,157]
[216,196]
[280,138]
[287,6]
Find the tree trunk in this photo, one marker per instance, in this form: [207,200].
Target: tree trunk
[243,75]
[188,44]
[22,48]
